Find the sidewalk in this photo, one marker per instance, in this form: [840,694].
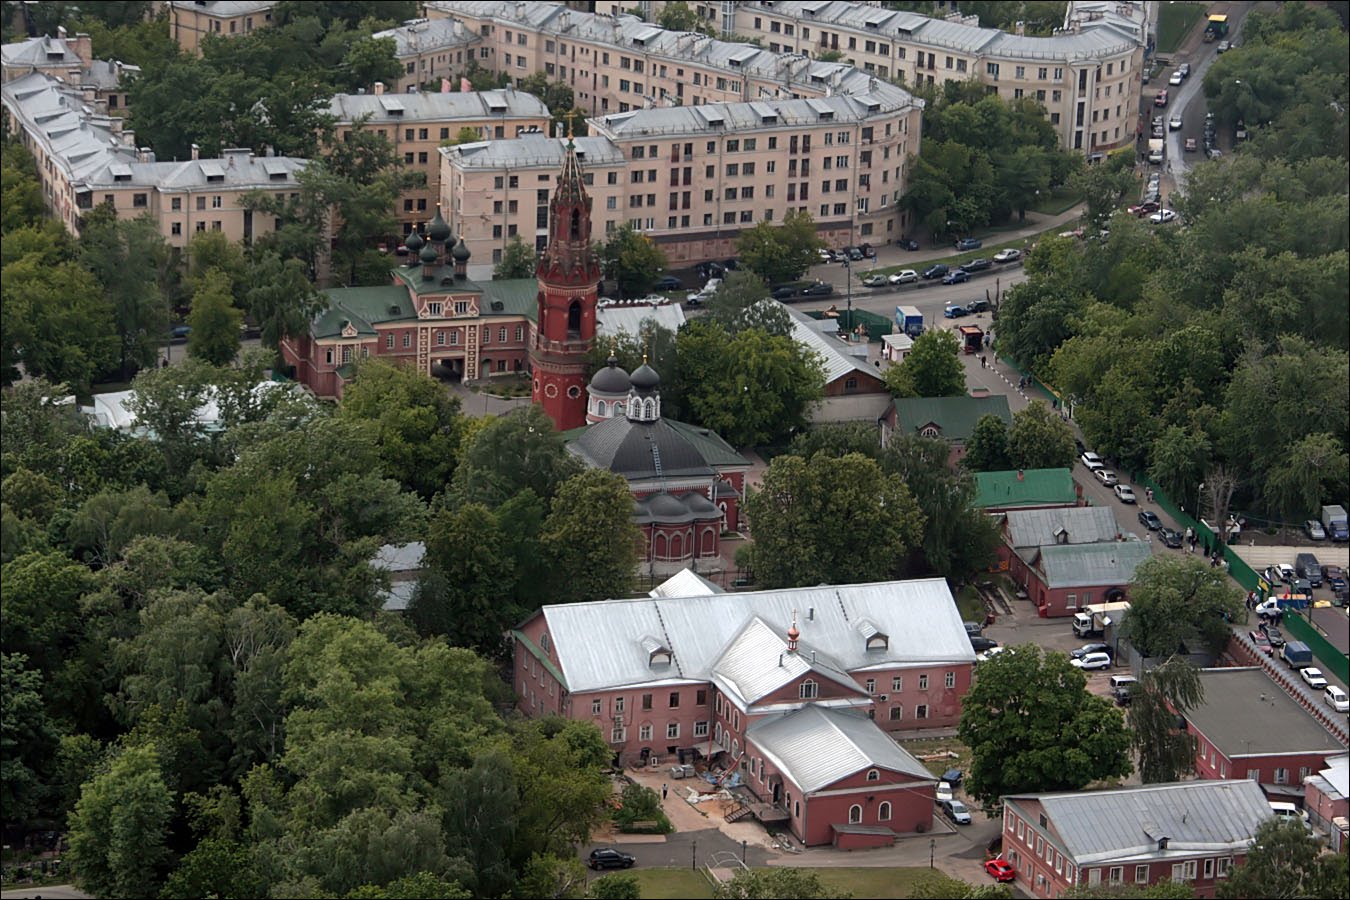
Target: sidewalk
[891,255]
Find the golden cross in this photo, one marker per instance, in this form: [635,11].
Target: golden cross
[569,116]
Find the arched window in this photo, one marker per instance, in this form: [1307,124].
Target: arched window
[574,319]
[618,407]
[676,546]
[661,546]
[884,811]
[808,690]
[854,814]
[603,408]
[873,775]
[576,225]
[709,542]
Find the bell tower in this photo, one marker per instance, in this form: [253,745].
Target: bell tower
[569,276]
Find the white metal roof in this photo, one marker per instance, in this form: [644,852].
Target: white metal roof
[685,583]
[597,644]
[626,319]
[837,362]
[816,747]
[757,662]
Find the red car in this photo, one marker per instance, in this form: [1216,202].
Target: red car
[1143,209]
[1262,642]
[1000,869]
[1160,98]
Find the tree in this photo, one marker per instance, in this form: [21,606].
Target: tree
[28,739]
[678,16]
[209,250]
[468,598]
[1180,605]
[752,388]
[1313,469]
[777,884]
[807,515]
[1167,889]
[937,885]
[214,868]
[416,422]
[1039,439]
[511,453]
[1103,189]
[214,321]
[422,886]
[1284,861]
[1032,726]
[632,259]
[1166,752]
[1178,456]
[551,877]
[119,829]
[518,260]
[615,887]
[589,538]
[780,253]
[987,449]
[932,368]
[281,298]
[56,322]
[743,302]
[129,257]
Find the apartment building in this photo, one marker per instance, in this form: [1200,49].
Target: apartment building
[692,178]
[430,50]
[494,190]
[1087,76]
[192,20]
[85,159]
[70,60]
[417,124]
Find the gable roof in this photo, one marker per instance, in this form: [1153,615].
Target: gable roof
[1079,524]
[436,106]
[807,332]
[1028,487]
[1245,713]
[956,416]
[684,583]
[1217,817]
[1089,565]
[366,307]
[597,643]
[746,669]
[629,318]
[817,746]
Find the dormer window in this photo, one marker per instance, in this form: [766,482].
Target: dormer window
[658,654]
[873,637]
[808,690]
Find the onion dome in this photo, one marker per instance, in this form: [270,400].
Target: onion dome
[611,379]
[460,252]
[645,380]
[437,229]
[428,255]
[413,241]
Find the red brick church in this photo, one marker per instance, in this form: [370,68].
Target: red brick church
[687,482]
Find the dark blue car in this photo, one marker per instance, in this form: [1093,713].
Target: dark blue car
[956,276]
[969,244]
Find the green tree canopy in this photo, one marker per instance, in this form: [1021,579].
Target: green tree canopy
[1040,439]
[214,320]
[1032,726]
[987,449]
[932,368]
[743,302]
[631,259]
[778,253]
[518,260]
[511,453]
[1284,861]
[589,538]
[1166,753]
[1180,605]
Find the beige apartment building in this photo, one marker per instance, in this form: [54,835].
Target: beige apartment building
[85,159]
[1087,76]
[192,20]
[692,178]
[70,60]
[417,124]
[431,50]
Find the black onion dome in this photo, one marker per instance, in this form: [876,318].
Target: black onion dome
[611,379]
[645,379]
[428,254]
[460,252]
[413,242]
[437,229]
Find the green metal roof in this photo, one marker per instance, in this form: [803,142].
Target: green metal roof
[364,307]
[1030,487]
[954,416]
[412,277]
[518,297]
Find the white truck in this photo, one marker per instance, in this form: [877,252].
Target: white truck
[1091,621]
[1334,521]
[1156,151]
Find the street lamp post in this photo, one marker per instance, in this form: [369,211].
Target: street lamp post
[1200,487]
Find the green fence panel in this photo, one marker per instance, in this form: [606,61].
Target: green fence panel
[1331,659]
[875,325]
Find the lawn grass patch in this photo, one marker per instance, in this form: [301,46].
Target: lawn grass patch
[1175,21]
[945,746]
[881,882]
[672,883]
[970,604]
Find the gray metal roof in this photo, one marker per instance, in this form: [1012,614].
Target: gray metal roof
[1091,565]
[533,151]
[632,319]
[597,650]
[1080,525]
[817,747]
[685,583]
[837,363]
[1245,713]
[638,450]
[225,8]
[40,52]
[1126,824]
[426,106]
[757,662]
[427,35]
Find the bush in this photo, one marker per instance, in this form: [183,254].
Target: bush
[640,812]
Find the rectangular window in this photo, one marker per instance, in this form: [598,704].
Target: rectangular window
[898,683]
[501,334]
[950,679]
[921,711]
[673,730]
[1117,874]
[674,699]
[1281,776]
[595,707]
[897,712]
[923,682]
[454,338]
[645,733]
[646,701]
[700,729]
[407,340]
[1209,869]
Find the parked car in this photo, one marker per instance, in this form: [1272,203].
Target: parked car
[1143,209]
[667,283]
[904,276]
[1190,145]
[825,255]
[956,811]
[1007,255]
[1149,519]
[1125,494]
[977,305]
[1174,123]
[1274,635]
[956,276]
[976,265]
[1000,870]
[943,791]
[1092,661]
[981,644]
[1084,650]
[1313,678]
[1106,477]
[937,270]
[986,655]
[785,292]
[1160,98]
[972,628]
[1224,46]
[1163,216]
[907,244]
[954,311]
[969,243]
[819,289]
[953,776]
[1334,576]
[1262,642]
[1336,698]
[1170,537]
[1177,78]
[609,858]
[1314,530]
[1092,460]
[179,332]
[874,280]
[1185,70]
[854,254]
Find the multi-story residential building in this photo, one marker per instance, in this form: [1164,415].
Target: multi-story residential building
[417,124]
[85,159]
[494,190]
[192,20]
[431,50]
[692,178]
[1192,831]
[69,60]
[793,690]
[1087,76]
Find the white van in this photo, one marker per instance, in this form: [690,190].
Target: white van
[1289,812]
[1122,681]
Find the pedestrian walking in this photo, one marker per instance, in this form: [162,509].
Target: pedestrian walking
[664,790]
[1150,495]
[984,362]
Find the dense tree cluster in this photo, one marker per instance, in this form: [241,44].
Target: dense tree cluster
[1222,343]
[198,681]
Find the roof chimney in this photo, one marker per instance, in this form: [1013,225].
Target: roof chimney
[196,152]
[379,88]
